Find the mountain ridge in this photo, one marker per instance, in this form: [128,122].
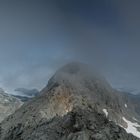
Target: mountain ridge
[72,86]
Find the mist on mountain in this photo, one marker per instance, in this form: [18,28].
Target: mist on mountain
[69,70]
[79,100]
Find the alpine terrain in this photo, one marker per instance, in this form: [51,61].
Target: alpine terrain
[77,104]
[8,104]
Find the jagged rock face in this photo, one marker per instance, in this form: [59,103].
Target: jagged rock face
[81,80]
[8,105]
[73,86]
[79,124]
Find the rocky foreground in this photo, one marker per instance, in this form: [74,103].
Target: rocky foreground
[79,124]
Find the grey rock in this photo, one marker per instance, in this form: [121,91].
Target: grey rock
[63,128]
[8,104]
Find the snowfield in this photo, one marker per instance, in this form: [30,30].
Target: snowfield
[132,128]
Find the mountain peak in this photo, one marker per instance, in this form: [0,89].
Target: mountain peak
[80,77]
[74,67]
[74,86]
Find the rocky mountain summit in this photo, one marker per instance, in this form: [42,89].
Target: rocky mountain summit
[8,104]
[77,104]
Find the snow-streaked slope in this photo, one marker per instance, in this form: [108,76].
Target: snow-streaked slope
[132,127]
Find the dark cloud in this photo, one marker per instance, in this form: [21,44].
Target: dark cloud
[39,36]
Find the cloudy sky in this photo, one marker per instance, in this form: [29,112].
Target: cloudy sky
[39,36]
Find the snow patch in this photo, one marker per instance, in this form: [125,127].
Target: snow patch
[106,112]
[132,127]
[125,105]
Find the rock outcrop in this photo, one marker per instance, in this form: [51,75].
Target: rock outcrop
[8,104]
